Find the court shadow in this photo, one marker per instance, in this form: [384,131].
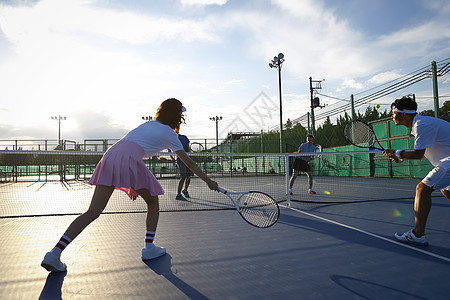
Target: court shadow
[370,290]
[53,286]
[356,237]
[163,267]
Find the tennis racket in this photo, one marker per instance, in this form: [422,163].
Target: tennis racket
[318,149]
[256,208]
[361,135]
[196,147]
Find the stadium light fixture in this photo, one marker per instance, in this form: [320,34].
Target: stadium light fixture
[277,63]
[59,119]
[216,119]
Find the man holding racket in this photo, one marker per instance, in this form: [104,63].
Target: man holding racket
[432,140]
[301,163]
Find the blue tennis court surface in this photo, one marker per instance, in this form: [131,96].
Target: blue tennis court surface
[315,251]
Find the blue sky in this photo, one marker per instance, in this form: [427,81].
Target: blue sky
[105,64]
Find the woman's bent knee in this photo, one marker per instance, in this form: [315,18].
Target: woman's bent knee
[152,201]
[92,215]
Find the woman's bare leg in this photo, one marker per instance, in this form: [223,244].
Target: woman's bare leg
[99,200]
[151,251]
[152,209]
[98,203]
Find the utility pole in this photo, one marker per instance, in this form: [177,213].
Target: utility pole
[435,89]
[352,102]
[315,101]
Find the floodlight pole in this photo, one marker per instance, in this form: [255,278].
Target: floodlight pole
[59,119]
[277,63]
[217,119]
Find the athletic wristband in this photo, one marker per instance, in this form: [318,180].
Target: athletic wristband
[398,154]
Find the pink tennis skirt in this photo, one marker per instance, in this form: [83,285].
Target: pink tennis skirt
[122,167]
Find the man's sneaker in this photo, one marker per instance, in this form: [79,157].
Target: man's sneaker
[410,238]
[53,263]
[186,194]
[311,192]
[290,192]
[153,252]
[180,197]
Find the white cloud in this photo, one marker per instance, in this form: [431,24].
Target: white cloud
[49,20]
[349,84]
[384,77]
[73,55]
[316,43]
[203,2]
[63,72]
[311,38]
[234,81]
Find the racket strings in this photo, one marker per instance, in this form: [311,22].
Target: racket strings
[360,134]
[259,209]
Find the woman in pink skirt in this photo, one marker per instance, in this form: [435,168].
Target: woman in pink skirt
[122,168]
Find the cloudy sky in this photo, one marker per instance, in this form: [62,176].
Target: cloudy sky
[104,64]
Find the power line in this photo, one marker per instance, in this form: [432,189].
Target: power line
[395,85]
[431,97]
[380,91]
[328,96]
[416,77]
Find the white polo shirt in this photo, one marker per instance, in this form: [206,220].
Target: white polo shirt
[433,135]
[154,137]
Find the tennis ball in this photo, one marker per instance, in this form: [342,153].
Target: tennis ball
[377,106]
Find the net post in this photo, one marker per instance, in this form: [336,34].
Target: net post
[286,175]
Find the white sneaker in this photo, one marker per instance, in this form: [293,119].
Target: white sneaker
[153,252]
[52,263]
[410,238]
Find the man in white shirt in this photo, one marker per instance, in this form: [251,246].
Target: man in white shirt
[432,140]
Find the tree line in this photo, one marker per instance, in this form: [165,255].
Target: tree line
[327,134]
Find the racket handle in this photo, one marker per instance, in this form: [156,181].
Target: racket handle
[222,190]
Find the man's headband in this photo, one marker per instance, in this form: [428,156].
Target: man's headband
[406,111]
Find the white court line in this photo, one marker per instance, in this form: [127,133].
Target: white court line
[9,222]
[371,234]
[342,186]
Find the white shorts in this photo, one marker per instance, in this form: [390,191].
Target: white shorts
[438,179]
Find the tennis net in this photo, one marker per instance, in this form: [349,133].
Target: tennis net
[38,183]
